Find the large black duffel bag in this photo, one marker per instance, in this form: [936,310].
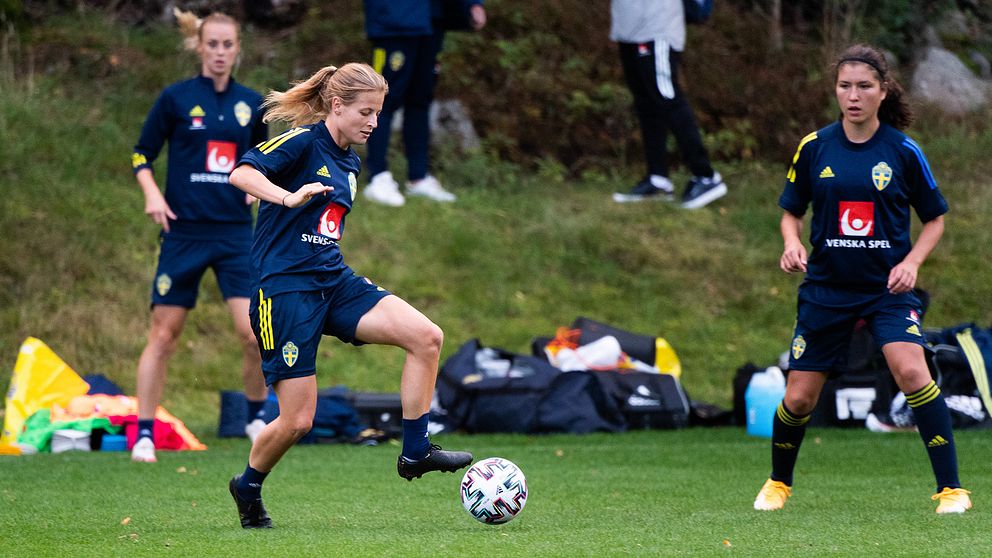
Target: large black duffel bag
[492,390]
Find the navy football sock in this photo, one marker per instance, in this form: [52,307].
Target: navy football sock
[416,444]
[256,409]
[788,430]
[250,484]
[933,420]
[146,429]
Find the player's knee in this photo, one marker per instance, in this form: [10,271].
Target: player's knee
[163,340]
[910,377]
[299,426]
[800,404]
[431,338]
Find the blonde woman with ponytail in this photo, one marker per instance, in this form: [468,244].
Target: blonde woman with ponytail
[306,179]
[209,121]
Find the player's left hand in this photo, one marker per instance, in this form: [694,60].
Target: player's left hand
[902,278]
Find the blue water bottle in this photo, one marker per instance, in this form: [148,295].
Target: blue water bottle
[764,392]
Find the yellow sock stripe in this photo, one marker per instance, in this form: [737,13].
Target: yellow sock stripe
[378,59]
[789,418]
[924,395]
[977,364]
[275,142]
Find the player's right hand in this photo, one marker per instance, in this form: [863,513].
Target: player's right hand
[793,258]
[159,211]
[305,193]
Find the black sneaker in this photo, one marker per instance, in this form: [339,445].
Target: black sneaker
[701,191]
[644,190]
[252,514]
[436,460]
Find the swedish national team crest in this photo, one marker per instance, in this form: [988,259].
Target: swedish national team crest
[798,347]
[289,353]
[162,284]
[243,113]
[396,60]
[353,185]
[881,174]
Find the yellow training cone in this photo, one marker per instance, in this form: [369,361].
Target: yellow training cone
[41,379]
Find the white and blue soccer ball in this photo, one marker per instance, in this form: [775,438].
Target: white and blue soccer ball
[494,490]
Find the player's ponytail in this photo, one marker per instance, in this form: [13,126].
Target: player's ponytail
[309,101]
[191,26]
[894,110]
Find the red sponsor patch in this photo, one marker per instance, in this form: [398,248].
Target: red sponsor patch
[330,221]
[857,218]
[221,156]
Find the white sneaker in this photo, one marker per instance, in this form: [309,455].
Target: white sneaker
[430,188]
[254,428]
[143,451]
[383,189]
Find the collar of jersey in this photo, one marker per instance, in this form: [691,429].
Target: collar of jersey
[209,82]
[851,146]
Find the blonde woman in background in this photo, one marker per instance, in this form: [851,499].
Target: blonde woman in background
[209,121]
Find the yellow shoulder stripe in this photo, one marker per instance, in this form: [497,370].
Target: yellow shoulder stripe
[792,168]
[269,146]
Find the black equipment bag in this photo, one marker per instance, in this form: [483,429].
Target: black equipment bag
[494,391]
[576,403]
[381,411]
[647,400]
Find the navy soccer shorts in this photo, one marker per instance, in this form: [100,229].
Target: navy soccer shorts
[826,318]
[182,263]
[288,326]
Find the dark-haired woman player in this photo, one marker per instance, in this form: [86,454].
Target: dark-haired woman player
[307,180]
[862,176]
[209,121]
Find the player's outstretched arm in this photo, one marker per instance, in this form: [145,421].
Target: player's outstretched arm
[251,181]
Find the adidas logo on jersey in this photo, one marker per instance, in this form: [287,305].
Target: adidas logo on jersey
[937,441]
[322,171]
[827,172]
[914,329]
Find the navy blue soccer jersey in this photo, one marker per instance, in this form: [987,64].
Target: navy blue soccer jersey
[861,196]
[207,132]
[296,249]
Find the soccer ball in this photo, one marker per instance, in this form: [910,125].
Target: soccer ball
[494,490]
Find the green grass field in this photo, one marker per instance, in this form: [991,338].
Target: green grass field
[524,250]
[657,493]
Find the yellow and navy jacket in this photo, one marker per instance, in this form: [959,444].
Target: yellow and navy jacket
[207,132]
[861,194]
[297,249]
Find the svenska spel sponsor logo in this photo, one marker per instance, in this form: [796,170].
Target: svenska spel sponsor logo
[221,156]
[857,218]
